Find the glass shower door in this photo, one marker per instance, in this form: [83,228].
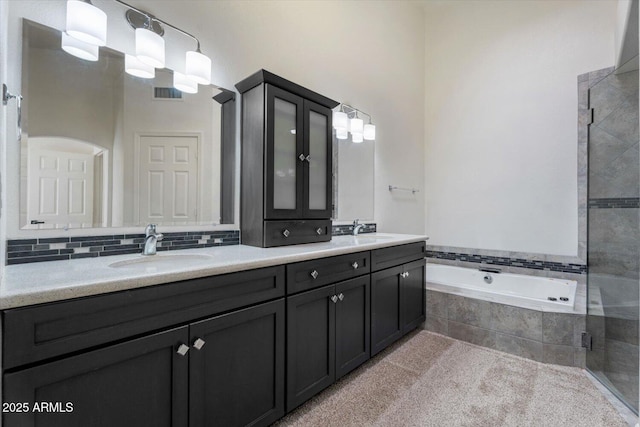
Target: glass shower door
[613,248]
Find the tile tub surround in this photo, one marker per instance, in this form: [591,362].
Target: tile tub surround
[23,251]
[27,284]
[542,336]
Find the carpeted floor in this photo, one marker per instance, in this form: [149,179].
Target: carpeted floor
[431,380]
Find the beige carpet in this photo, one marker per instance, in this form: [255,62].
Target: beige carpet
[431,380]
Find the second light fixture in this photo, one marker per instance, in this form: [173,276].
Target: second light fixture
[347,119]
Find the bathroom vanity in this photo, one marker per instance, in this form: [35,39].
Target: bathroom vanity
[229,336]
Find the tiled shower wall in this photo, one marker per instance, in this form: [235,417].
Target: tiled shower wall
[610,102]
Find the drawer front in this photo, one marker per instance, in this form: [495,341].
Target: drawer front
[306,275]
[282,233]
[32,334]
[396,255]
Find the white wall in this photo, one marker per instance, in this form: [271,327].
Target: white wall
[501,119]
[368,54]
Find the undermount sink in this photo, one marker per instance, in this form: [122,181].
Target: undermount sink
[168,260]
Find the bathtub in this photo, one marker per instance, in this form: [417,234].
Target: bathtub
[506,288]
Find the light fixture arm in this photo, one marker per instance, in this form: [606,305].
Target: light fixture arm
[353,112]
[153,18]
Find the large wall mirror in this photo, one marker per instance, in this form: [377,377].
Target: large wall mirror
[354,180]
[101,148]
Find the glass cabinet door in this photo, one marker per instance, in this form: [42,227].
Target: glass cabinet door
[284,148]
[317,148]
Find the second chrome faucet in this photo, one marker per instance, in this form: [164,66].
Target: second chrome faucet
[151,240]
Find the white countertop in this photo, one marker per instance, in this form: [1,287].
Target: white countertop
[41,282]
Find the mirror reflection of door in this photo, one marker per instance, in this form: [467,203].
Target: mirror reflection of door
[61,183]
[167,179]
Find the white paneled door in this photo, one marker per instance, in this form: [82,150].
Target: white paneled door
[60,189]
[168,179]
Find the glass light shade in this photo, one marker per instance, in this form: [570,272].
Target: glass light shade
[135,67]
[78,48]
[183,83]
[356,137]
[369,132]
[357,125]
[198,67]
[342,134]
[86,23]
[340,121]
[150,47]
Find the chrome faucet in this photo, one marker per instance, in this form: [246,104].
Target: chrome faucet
[357,228]
[151,240]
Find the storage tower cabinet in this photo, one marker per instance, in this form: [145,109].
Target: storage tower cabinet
[286,170]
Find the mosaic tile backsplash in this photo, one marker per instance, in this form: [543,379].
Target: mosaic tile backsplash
[509,262]
[61,248]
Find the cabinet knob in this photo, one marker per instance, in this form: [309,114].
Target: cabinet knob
[182,349]
[199,343]
[355,265]
[334,299]
[319,231]
[406,274]
[341,296]
[301,157]
[308,158]
[402,275]
[314,274]
[286,233]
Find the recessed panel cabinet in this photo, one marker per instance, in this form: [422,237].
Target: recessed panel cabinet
[327,337]
[286,188]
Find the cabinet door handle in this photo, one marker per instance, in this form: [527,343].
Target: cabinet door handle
[199,343]
[182,349]
[286,233]
[341,296]
[334,299]
[319,231]
[406,274]
[355,265]
[308,158]
[403,275]
[301,157]
[314,274]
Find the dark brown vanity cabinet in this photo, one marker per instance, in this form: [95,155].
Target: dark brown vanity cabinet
[226,369]
[397,294]
[286,185]
[327,336]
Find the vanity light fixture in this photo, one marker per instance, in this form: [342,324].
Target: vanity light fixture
[79,48]
[347,119]
[86,22]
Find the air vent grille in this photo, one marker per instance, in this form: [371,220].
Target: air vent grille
[166,93]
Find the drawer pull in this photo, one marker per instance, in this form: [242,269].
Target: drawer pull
[199,343]
[334,299]
[319,231]
[286,233]
[314,274]
[355,265]
[341,296]
[182,349]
